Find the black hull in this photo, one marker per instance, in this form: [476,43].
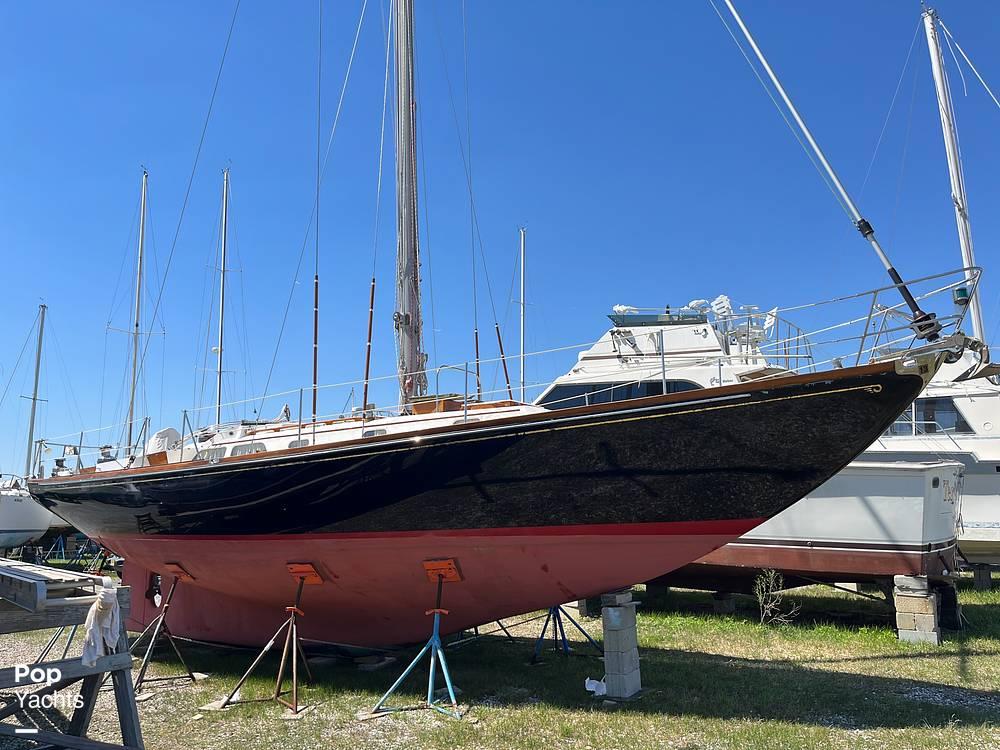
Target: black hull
[742,452]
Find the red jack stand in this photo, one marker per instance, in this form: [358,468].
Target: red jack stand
[306,574]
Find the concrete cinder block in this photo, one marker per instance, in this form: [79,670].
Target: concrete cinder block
[926,623]
[623,685]
[918,605]
[618,618]
[982,580]
[920,636]
[616,598]
[911,584]
[620,640]
[621,662]
[906,621]
[723,603]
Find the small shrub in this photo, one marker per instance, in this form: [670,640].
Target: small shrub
[768,587]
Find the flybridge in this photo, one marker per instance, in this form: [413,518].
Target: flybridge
[624,317]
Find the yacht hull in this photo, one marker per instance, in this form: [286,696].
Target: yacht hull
[22,520]
[375,590]
[536,510]
[979,522]
[871,521]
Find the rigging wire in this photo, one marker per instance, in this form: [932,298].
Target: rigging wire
[316,211]
[466,167]
[969,62]
[902,164]
[958,67]
[784,115]
[951,40]
[422,165]
[24,346]
[244,340]
[216,265]
[113,307]
[378,196]
[194,169]
[312,215]
[472,215]
[65,371]
[208,281]
[888,115]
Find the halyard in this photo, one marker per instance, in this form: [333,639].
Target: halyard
[836,677]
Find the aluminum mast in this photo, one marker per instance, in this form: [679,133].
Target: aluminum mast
[34,392]
[522,232]
[136,332]
[955,174]
[407,317]
[924,325]
[222,293]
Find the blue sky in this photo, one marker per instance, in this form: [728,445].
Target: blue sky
[631,140]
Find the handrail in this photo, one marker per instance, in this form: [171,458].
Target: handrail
[765,337]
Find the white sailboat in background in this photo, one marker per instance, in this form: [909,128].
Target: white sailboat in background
[957,417]
[22,520]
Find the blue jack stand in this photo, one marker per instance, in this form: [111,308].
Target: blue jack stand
[559,642]
[434,648]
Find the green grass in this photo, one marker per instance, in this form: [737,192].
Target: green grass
[834,678]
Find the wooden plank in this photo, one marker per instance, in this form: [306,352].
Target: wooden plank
[14,619]
[84,713]
[128,712]
[69,668]
[63,740]
[34,587]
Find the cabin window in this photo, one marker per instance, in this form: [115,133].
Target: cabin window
[939,415]
[569,395]
[213,454]
[298,443]
[374,433]
[247,448]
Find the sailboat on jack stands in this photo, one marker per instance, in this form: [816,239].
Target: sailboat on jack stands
[22,520]
[535,507]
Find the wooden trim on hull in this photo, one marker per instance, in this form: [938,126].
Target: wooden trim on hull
[561,415]
[706,459]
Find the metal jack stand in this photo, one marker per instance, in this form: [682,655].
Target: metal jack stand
[159,627]
[559,641]
[305,573]
[441,571]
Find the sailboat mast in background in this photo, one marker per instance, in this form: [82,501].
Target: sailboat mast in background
[407,317]
[954,161]
[34,391]
[222,293]
[136,331]
[522,233]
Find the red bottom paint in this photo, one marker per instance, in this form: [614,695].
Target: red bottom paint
[375,591]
